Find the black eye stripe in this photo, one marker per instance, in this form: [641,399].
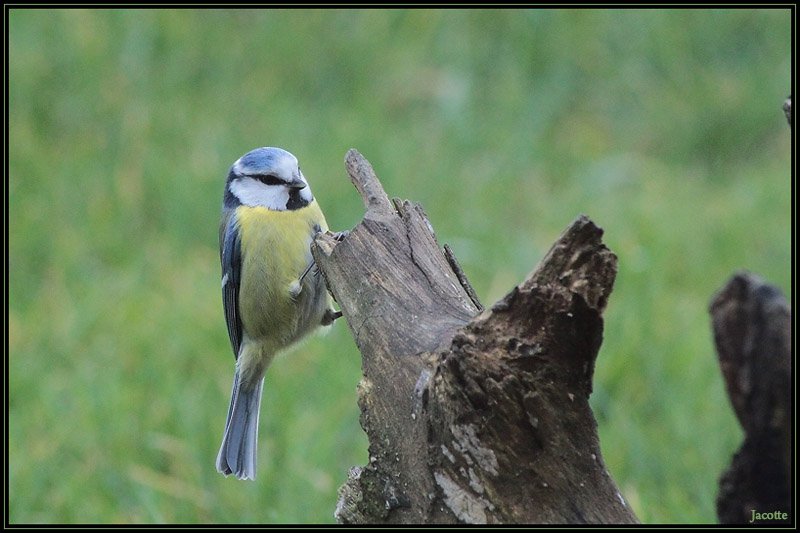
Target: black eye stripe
[269,180]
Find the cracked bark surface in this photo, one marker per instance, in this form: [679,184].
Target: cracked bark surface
[473,415]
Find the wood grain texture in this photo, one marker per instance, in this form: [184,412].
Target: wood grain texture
[472,415]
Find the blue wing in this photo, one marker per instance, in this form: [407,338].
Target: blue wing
[230,254]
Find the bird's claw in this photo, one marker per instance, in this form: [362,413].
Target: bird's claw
[329,316]
[340,235]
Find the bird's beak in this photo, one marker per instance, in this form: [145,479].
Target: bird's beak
[297,183]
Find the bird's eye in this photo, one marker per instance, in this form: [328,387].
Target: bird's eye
[270,180]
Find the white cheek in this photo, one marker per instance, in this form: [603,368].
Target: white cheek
[253,193]
[306,195]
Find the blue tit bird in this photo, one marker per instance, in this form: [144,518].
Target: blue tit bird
[272,292]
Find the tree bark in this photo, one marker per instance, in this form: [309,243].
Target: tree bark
[473,416]
[752,332]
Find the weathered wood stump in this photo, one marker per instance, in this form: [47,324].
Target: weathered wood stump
[752,332]
[473,416]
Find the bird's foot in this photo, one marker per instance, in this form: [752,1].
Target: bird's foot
[329,316]
[340,235]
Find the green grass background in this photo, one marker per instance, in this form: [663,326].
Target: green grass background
[663,126]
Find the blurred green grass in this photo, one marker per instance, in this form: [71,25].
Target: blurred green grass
[663,126]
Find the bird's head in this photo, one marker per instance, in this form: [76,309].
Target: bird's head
[267,177]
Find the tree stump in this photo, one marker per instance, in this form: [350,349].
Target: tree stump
[752,332]
[473,416]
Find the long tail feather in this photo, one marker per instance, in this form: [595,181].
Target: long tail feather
[237,455]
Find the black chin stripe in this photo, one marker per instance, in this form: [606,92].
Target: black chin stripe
[296,201]
[230,200]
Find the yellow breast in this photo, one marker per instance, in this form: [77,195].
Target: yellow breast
[275,252]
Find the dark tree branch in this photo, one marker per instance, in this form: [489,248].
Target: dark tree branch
[476,416]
